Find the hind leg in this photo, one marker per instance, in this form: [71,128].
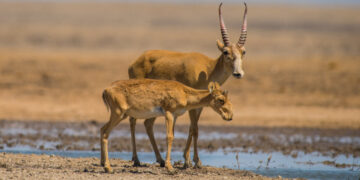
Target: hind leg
[134,155]
[193,133]
[115,118]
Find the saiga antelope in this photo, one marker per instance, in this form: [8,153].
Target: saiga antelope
[195,70]
[149,98]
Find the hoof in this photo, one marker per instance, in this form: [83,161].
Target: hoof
[136,163]
[108,170]
[187,165]
[161,162]
[198,165]
[171,172]
[169,168]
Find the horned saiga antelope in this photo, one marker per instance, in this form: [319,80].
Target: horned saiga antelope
[195,70]
[149,98]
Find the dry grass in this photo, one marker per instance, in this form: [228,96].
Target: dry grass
[302,65]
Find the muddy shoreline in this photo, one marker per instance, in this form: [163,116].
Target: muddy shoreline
[15,166]
[85,136]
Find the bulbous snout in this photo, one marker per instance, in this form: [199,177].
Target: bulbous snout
[227,116]
[238,75]
[230,117]
[238,71]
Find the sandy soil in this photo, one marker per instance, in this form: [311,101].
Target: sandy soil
[19,166]
[302,68]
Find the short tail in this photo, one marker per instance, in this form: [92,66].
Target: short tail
[105,97]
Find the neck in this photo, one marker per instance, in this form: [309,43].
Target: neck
[198,98]
[219,72]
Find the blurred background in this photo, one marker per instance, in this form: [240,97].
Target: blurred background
[302,64]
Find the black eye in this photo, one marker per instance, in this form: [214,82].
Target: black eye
[222,102]
[244,52]
[226,53]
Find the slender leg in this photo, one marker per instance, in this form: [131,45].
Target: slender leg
[175,117]
[193,133]
[186,156]
[134,155]
[149,124]
[104,135]
[195,136]
[169,136]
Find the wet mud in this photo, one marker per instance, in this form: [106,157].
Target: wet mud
[22,166]
[85,136]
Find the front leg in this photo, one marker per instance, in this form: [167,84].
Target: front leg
[194,117]
[186,155]
[149,123]
[169,136]
[195,136]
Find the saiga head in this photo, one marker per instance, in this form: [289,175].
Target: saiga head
[220,101]
[233,54]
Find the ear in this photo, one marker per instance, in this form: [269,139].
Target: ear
[217,85]
[225,93]
[211,87]
[220,45]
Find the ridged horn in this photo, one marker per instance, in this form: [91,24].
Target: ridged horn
[223,29]
[243,34]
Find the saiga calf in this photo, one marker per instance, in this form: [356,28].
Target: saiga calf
[148,98]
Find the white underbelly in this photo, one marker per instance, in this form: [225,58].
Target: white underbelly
[145,114]
[179,112]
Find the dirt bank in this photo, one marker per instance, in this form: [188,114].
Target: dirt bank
[20,166]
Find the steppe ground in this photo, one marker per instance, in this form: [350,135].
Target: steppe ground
[302,64]
[20,166]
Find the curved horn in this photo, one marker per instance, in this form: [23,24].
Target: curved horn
[242,38]
[223,29]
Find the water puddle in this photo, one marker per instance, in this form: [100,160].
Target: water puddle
[288,152]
